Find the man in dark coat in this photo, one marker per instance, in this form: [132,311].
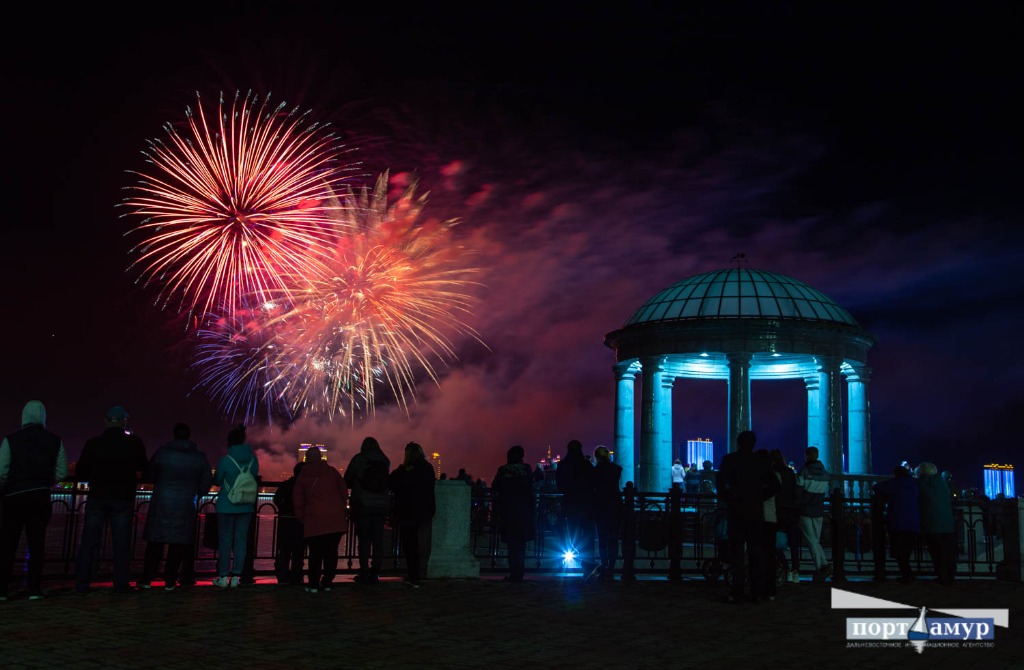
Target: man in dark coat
[513,501]
[180,475]
[112,463]
[607,511]
[32,460]
[575,479]
[289,554]
[745,481]
[899,495]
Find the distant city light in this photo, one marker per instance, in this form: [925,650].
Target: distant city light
[700,450]
[999,480]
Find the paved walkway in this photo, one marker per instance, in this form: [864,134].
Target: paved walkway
[547,622]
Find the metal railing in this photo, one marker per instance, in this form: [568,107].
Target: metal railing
[669,534]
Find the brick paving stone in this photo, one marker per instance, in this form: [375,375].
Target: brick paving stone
[547,622]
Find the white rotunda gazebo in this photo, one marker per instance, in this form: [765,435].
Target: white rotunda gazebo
[739,325]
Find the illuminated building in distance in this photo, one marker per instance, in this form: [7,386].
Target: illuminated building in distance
[999,479]
[699,450]
[305,445]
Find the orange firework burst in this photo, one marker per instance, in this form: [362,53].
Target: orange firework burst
[379,312]
[237,203]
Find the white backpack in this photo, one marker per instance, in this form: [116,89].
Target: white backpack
[245,488]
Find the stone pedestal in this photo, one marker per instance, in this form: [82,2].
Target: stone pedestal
[450,553]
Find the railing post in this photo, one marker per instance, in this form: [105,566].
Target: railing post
[838,536]
[629,533]
[675,533]
[878,545]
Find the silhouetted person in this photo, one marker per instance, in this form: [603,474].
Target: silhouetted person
[745,482]
[320,497]
[112,463]
[936,506]
[691,480]
[289,554]
[180,475]
[413,486]
[32,460]
[513,502]
[370,503]
[787,511]
[899,496]
[812,487]
[707,477]
[575,479]
[607,511]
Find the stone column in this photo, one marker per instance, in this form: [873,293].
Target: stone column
[450,552]
[625,430]
[651,428]
[830,451]
[814,436]
[859,416]
[739,396]
[663,481]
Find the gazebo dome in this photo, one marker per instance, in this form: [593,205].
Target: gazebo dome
[740,325]
[740,293]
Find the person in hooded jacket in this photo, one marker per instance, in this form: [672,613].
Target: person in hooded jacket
[32,460]
[180,475]
[320,496]
[512,489]
[233,519]
[369,508]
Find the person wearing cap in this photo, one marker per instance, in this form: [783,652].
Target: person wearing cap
[112,463]
[32,460]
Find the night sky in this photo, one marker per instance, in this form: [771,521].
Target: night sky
[593,159]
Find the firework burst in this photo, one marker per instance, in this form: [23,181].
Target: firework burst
[380,310]
[237,202]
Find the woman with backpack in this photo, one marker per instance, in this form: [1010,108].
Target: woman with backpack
[236,503]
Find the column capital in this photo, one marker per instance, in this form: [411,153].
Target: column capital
[653,363]
[739,357]
[829,363]
[859,373]
[625,370]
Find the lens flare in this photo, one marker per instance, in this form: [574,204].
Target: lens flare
[235,202]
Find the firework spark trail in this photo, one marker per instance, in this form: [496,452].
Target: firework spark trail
[395,287]
[233,356]
[232,209]
[376,314]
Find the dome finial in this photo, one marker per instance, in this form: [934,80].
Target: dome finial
[739,258]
